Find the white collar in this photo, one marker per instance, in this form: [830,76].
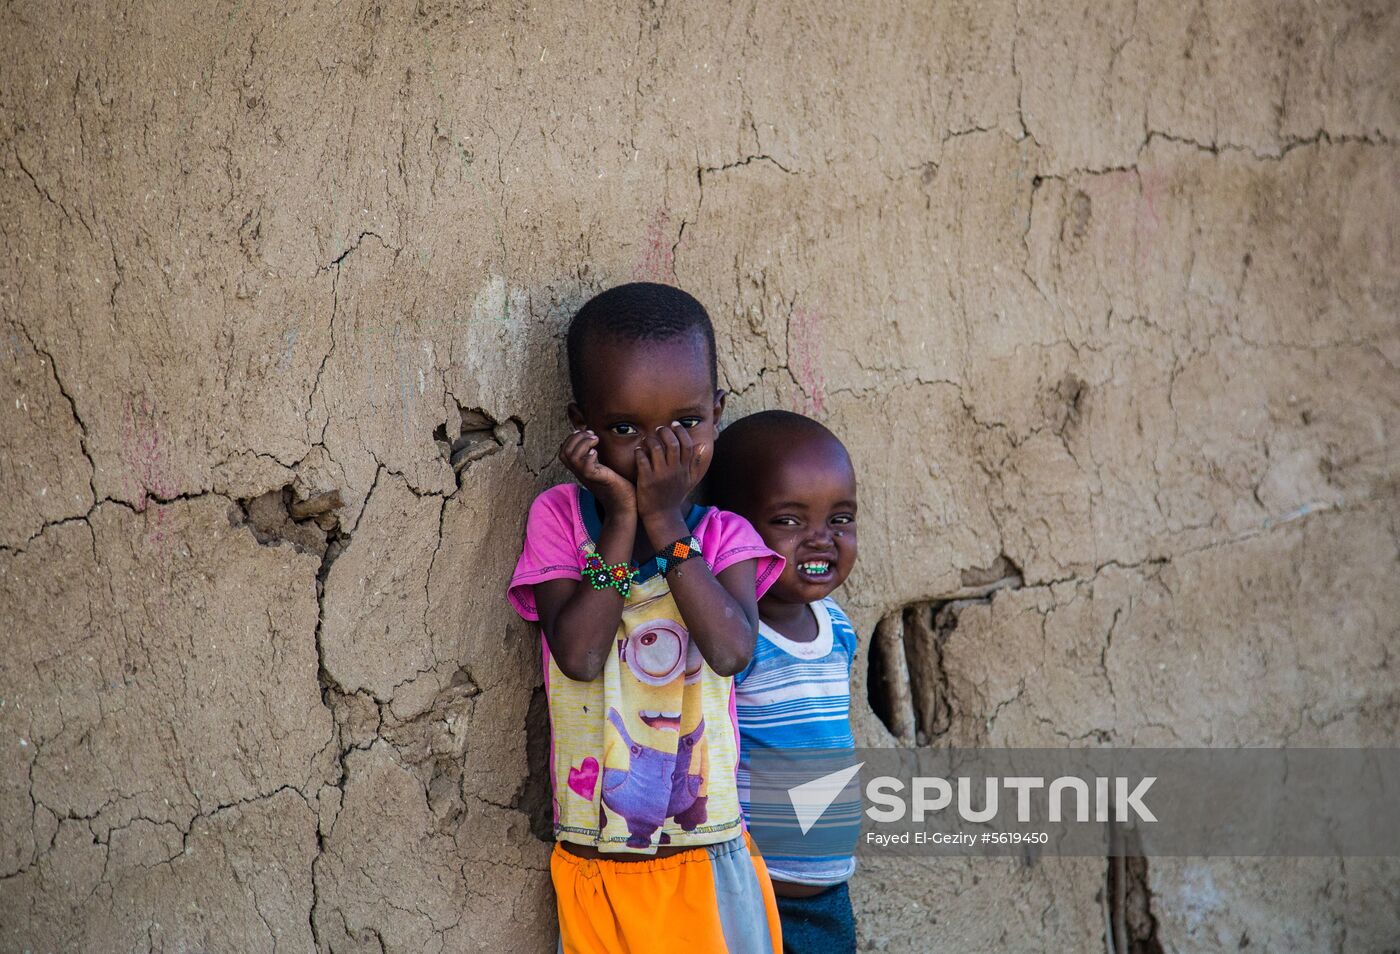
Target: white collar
[816,649]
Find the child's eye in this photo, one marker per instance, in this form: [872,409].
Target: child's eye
[785,521]
[843,518]
[624,430]
[689,422]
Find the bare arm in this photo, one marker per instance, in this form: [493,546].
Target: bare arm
[590,617]
[721,612]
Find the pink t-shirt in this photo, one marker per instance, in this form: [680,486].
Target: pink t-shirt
[555,534]
[645,754]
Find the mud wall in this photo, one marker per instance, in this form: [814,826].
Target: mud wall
[1103,297]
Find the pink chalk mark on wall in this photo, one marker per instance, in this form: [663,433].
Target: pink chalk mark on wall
[804,359]
[1149,190]
[145,451]
[658,261]
[1148,184]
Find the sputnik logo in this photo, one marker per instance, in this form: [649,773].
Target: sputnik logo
[811,799]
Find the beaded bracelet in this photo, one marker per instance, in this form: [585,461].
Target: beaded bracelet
[601,576]
[677,553]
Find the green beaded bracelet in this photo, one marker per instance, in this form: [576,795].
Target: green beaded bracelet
[602,576]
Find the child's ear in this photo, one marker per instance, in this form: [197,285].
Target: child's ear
[576,417]
[720,395]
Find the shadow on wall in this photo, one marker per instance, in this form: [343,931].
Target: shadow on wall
[534,797]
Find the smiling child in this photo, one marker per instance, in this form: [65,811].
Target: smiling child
[794,481]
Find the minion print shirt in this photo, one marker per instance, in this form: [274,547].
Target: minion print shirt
[645,754]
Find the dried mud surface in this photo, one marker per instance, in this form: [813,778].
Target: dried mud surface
[1102,296]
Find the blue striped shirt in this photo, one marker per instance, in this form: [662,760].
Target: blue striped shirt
[795,695]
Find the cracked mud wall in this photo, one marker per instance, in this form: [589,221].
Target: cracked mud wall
[1103,297]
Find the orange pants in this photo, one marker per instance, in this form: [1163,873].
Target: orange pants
[708,900]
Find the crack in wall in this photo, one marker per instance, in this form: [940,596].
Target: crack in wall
[1126,897]
[336,542]
[86,517]
[1321,137]
[907,686]
[475,434]
[72,407]
[355,247]
[311,525]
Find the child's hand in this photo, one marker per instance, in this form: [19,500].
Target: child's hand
[579,453]
[668,468]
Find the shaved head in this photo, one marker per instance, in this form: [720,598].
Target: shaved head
[632,315]
[792,479]
[752,446]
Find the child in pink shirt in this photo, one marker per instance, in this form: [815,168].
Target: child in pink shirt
[648,607]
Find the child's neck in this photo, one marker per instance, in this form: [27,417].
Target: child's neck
[796,621]
[642,547]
